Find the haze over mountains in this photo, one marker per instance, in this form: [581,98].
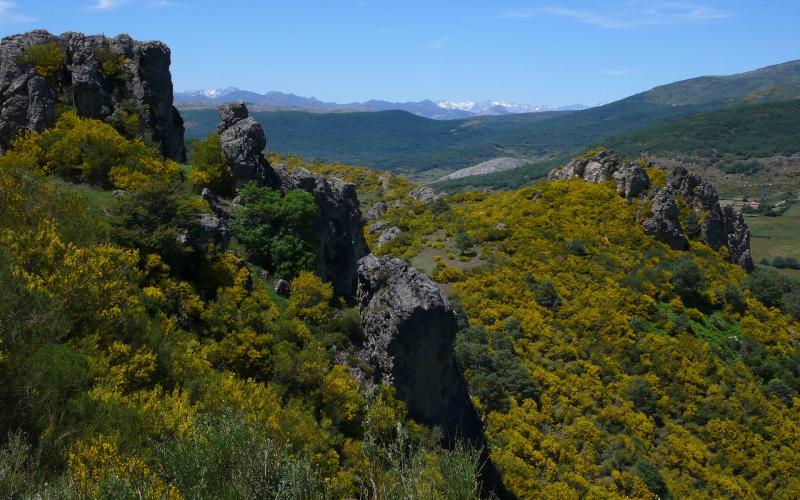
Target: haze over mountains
[440,110]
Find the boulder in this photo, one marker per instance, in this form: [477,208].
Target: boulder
[141,85]
[283,288]
[340,226]
[410,330]
[377,211]
[243,142]
[388,235]
[425,195]
[664,225]
[377,226]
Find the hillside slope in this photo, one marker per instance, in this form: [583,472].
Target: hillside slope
[413,145]
[606,364]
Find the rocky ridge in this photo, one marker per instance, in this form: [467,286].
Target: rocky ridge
[719,227]
[339,226]
[110,79]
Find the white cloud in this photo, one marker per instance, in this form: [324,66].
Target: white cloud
[8,13]
[108,4]
[631,14]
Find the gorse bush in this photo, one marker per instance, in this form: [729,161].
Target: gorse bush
[208,166]
[47,58]
[87,150]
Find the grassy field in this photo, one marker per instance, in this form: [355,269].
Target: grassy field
[776,236]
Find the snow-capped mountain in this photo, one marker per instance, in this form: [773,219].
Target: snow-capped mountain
[486,107]
[442,110]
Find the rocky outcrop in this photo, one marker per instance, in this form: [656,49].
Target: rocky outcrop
[283,288]
[243,142]
[631,178]
[719,228]
[664,225]
[389,235]
[138,83]
[377,211]
[410,330]
[425,195]
[738,239]
[340,226]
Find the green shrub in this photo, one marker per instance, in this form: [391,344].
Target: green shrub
[47,58]
[208,166]
[276,230]
[112,64]
[688,279]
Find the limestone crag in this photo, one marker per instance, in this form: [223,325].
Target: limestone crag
[410,330]
[631,178]
[425,195]
[340,226]
[664,225]
[243,142]
[718,228]
[139,86]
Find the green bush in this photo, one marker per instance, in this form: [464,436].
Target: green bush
[47,58]
[112,64]
[688,279]
[276,230]
[208,166]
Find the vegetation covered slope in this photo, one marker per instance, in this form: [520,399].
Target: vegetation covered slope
[402,142]
[141,358]
[749,131]
[604,363]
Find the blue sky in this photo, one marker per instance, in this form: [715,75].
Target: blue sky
[538,52]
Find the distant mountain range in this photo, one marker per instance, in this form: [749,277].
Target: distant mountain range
[442,110]
[428,149]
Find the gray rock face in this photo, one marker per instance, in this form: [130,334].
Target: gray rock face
[738,239]
[283,288]
[425,195]
[388,235]
[720,227]
[632,179]
[143,85]
[243,142]
[377,226]
[340,226]
[410,329]
[665,225]
[377,211]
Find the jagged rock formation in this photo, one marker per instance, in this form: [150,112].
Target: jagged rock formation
[137,84]
[340,226]
[632,179]
[719,227]
[665,225]
[283,288]
[410,330]
[377,226]
[243,142]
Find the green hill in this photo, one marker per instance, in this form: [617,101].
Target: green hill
[402,142]
[747,131]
